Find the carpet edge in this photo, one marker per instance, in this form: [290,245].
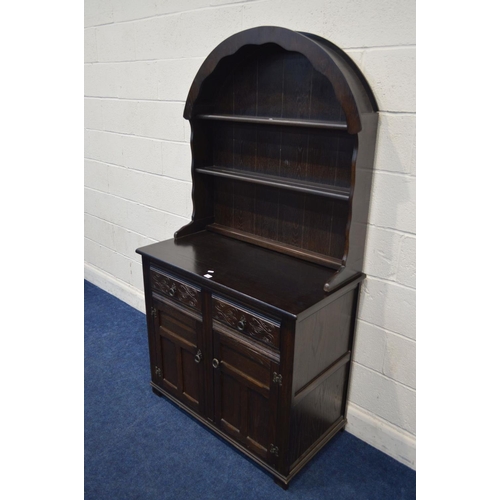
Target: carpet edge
[117,288]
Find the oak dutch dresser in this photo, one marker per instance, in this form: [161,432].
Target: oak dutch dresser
[251,307]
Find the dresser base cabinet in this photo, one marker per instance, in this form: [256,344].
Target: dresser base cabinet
[270,380]
[251,307]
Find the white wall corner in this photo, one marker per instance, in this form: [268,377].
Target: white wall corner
[118,288]
[380,434]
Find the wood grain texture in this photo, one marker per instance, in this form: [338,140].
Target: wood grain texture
[294,156]
[245,397]
[272,244]
[246,322]
[175,289]
[178,339]
[327,59]
[266,280]
[322,338]
[316,414]
[274,121]
[289,184]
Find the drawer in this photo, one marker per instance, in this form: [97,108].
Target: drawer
[175,289]
[246,322]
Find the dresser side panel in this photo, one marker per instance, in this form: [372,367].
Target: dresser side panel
[322,355]
[321,339]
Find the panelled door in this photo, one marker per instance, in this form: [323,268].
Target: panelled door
[179,354]
[245,395]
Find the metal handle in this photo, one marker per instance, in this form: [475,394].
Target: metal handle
[215,363]
[172,290]
[198,357]
[241,324]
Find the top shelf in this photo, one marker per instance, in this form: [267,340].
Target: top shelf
[290,122]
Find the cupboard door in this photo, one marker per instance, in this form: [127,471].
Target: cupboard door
[245,395]
[179,360]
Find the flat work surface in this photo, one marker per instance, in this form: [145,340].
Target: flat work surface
[287,283]
[140,446]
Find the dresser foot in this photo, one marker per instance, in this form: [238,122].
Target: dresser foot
[157,392]
[280,483]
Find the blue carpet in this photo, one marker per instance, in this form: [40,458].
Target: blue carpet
[140,446]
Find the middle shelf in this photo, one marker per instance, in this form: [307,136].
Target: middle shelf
[337,193]
[268,120]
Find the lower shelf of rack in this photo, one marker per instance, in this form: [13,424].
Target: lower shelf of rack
[301,186]
[301,253]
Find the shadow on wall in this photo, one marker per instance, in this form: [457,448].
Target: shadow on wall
[386,306]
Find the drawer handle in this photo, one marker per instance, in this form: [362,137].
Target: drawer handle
[215,363]
[198,357]
[241,324]
[172,290]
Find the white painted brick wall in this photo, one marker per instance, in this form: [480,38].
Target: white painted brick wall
[389,305]
[129,10]
[140,153]
[175,157]
[140,60]
[92,114]
[175,77]
[396,140]
[394,207]
[390,400]
[116,42]
[90,45]
[137,80]
[98,12]
[103,146]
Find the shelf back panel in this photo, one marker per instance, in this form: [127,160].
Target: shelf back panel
[299,216]
[273,82]
[309,155]
[303,221]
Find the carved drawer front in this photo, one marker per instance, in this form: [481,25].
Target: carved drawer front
[175,289]
[246,322]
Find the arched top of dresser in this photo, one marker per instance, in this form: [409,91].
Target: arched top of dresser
[350,86]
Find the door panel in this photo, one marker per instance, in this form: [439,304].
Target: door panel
[168,362]
[230,402]
[245,394]
[190,376]
[178,340]
[259,416]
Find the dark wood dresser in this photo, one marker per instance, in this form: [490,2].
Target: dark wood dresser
[251,307]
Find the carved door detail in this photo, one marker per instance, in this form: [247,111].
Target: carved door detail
[179,360]
[245,395]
